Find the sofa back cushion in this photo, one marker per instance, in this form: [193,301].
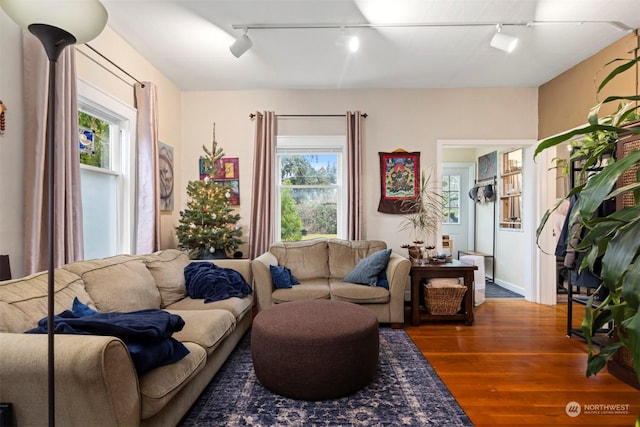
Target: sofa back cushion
[307,259]
[24,301]
[345,254]
[119,283]
[167,269]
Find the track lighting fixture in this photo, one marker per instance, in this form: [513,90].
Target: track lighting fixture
[503,41]
[241,45]
[500,40]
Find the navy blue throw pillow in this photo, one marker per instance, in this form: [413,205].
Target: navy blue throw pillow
[80,309]
[367,270]
[282,277]
[383,281]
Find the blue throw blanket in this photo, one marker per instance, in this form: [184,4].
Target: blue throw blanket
[207,280]
[146,333]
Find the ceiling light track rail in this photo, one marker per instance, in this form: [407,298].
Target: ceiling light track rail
[300,26]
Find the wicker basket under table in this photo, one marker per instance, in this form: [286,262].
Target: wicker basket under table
[443,300]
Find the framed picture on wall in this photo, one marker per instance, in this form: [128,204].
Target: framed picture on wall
[487,166]
[399,180]
[165,166]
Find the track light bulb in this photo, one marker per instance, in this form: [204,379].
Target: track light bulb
[354,43]
[241,45]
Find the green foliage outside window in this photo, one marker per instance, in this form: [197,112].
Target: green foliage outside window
[291,224]
[99,154]
[310,208]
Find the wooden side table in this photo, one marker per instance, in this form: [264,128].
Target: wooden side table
[454,268]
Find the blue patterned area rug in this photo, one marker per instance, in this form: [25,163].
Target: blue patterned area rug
[405,391]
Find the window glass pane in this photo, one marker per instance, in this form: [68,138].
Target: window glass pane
[308,213]
[452,216]
[100,213]
[451,197]
[454,183]
[94,141]
[308,169]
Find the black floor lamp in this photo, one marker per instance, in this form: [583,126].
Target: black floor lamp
[57,24]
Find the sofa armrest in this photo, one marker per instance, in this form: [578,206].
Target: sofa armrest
[398,270]
[95,380]
[262,279]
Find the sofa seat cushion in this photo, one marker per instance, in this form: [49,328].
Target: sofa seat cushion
[119,283]
[205,328]
[359,294]
[344,255]
[237,306]
[307,289]
[167,269]
[160,385]
[307,259]
[23,302]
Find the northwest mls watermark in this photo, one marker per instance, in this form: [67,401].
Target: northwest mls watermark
[573,409]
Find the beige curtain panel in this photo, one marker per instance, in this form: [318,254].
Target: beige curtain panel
[68,238]
[147,179]
[261,232]
[354,180]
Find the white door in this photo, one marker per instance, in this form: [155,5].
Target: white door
[458,219]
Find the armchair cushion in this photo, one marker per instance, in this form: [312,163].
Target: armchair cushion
[345,254]
[307,259]
[367,270]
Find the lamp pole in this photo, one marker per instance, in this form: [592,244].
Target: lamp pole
[54,40]
[57,24]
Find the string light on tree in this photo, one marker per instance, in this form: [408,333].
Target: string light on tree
[208,211]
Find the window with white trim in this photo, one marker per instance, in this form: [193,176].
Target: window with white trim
[310,187]
[451,199]
[107,172]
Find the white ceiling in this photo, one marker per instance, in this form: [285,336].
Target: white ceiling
[188,41]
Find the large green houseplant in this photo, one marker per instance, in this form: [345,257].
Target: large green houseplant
[610,244]
[424,215]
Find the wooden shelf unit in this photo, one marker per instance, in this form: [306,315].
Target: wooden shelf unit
[511,189]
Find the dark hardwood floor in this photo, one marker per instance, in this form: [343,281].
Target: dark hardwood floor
[516,366]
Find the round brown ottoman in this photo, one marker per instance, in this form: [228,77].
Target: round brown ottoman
[315,349]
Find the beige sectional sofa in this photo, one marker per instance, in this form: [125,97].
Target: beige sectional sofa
[96,381]
[321,264]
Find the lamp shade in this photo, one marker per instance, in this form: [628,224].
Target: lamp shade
[84,19]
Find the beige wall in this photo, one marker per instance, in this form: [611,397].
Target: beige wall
[410,119]
[565,101]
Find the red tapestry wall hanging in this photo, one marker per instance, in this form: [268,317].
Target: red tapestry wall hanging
[399,180]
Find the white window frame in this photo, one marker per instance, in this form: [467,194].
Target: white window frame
[449,199]
[305,145]
[96,102]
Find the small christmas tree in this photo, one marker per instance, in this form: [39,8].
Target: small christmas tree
[207,226]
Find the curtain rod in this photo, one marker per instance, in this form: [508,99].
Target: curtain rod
[253,115]
[112,63]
